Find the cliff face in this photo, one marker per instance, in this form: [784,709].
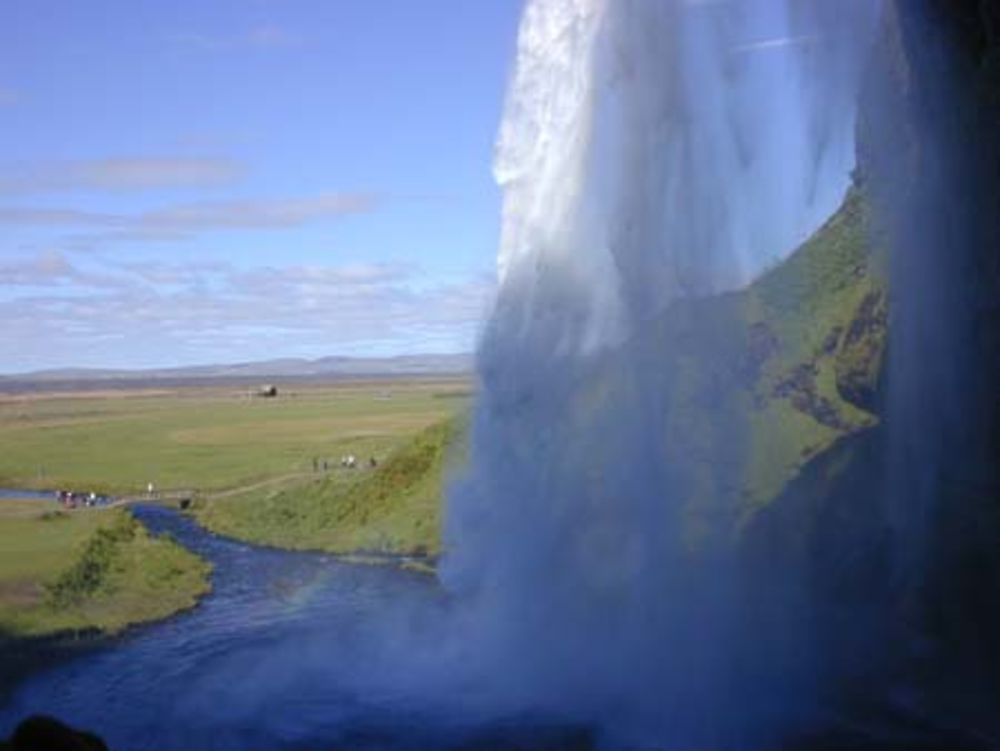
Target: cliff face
[755,383]
[929,148]
[897,530]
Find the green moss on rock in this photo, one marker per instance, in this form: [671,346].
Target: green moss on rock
[861,354]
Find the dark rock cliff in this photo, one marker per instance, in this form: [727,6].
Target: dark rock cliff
[929,147]
[897,530]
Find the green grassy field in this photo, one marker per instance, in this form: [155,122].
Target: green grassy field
[62,571]
[251,461]
[208,439]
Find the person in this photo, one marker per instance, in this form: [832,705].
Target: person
[149,489]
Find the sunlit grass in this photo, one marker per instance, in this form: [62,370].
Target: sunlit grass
[72,570]
[208,439]
[392,508]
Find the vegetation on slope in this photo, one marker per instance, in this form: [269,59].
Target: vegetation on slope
[100,570]
[820,320]
[756,382]
[393,508]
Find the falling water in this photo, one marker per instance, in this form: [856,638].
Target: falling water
[651,150]
[686,144]
[931,153]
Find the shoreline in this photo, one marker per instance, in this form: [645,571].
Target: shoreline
[425,564]
[68,575]
[24,655]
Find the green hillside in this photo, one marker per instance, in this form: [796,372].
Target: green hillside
[754,383]
[393,508]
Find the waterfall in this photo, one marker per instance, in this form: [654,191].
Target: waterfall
[681,146]
[651,150]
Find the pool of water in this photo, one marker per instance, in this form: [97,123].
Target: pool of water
[290,651]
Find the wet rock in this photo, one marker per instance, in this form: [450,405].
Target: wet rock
[860,358]
[799,388]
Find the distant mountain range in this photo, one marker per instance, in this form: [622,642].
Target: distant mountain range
[280,368]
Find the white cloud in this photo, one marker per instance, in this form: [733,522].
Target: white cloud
[26,216]
[42,269]
[262,37]
[205,215]
[118,175]
[51,268]
[260,214]
[174,313]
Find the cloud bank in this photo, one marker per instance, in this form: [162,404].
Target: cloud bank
[118,174]
[277,213]
[58,312]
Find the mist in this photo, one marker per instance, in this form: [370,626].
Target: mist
[650,152]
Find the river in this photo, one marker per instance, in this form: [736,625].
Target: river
[27,495]
[290,651]
[295,651]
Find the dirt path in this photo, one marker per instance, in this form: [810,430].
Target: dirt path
[280,480]
[220,494]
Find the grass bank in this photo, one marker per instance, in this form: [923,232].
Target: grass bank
[84,570]
[394,508]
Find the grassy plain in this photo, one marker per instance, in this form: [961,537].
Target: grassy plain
[62,571]
[209,438]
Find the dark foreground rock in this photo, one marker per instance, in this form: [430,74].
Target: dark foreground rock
[41,733]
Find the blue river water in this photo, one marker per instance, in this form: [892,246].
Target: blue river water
[295,651]
[41,495]
[290,651]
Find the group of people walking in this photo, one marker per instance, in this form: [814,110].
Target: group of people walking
[347,461]
[72,499]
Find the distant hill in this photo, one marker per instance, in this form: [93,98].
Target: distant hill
[280,368]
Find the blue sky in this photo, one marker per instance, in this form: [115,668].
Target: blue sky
[190,181]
